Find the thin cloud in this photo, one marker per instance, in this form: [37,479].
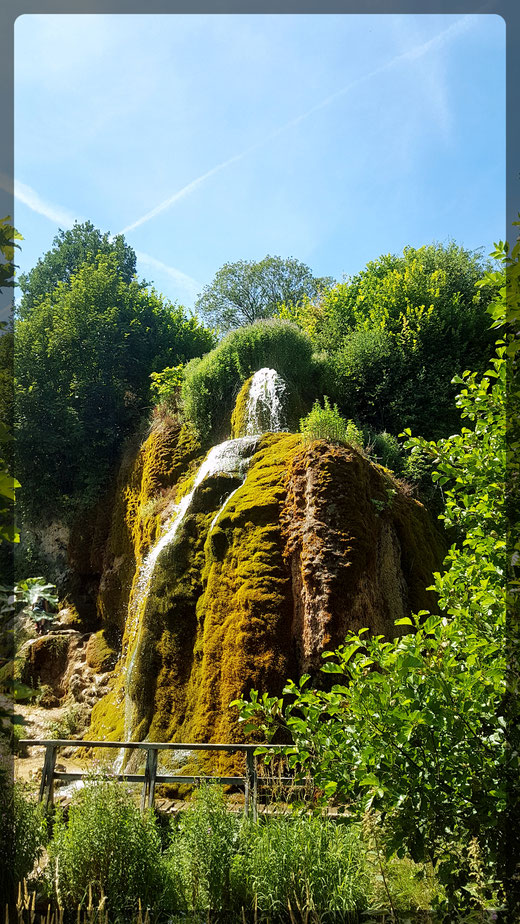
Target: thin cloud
[185,191]
[191,286]
[34,201]
[66,219]
[461,25]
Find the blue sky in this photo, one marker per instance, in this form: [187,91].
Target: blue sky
[215,138]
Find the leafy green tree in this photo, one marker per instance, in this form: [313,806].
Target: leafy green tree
[70,250]
[416,727]
[245,291]
[397,332]
[83,358]
[8,238]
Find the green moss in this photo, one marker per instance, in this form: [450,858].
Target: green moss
[101,654]
[108,714]
[221,616]
[146,488]
[239,415]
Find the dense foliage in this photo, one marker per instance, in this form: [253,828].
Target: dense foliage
[211,384]
[245,291]
[22,836]
[396,333]
[83,359]
[213,861]
[107,845]
[70,251]
[415,727]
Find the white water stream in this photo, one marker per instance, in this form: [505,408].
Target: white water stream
[264,413]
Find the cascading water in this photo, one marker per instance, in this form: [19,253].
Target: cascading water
[264,410]
[264,413]
[230,458]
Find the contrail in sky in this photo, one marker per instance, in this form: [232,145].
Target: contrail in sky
[182,279]
[34,201]
[461,25]
[66,219]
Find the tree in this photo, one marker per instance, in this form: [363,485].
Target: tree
[71,249]
[8,238]
[83,358]
[397,332]
[416,727]
[245,291]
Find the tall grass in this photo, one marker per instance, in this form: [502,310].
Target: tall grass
[107,861]
[299,867]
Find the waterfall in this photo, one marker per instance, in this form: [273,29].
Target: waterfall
[264,410]
[230,458]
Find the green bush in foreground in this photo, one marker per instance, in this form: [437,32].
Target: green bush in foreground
[300,864]
[23,834]
[106,845]
[198,862]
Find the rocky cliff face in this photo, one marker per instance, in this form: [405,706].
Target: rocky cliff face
[235,570]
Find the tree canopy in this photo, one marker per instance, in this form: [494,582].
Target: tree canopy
[70,250]
[245,291]
[396,333]
[83,359]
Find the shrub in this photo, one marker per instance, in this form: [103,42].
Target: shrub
[106,845]
[199,859]
[165,386]
[69,724]
[326,423]
[23,834]
[211,384]
[385,449]
[302,864]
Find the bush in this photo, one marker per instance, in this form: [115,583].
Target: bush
[384,448]
[326,423]
[71,723]
[302,864]
[107,845]
[23,833]
[211,384]
[198,862]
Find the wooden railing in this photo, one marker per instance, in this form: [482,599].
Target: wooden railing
[151,777]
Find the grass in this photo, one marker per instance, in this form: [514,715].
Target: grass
[107,861]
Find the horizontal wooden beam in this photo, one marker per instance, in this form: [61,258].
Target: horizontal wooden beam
[159,778]
[143,745]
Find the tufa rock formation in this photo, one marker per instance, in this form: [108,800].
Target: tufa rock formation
[234,570]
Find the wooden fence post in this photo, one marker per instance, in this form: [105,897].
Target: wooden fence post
[251,788]
[150,774]
[47,781]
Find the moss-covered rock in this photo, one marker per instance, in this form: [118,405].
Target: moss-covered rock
[145,492]
[255,581]
[361,553]
[100,654]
